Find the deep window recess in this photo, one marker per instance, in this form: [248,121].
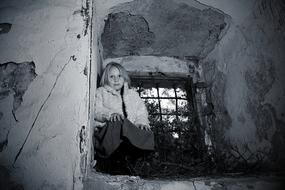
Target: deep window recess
[179,144]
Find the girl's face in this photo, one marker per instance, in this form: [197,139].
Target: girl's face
[115,79]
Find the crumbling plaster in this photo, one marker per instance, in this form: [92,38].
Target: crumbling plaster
[158,66]
[244,71]
[250,59]
[41,148]
[162,28]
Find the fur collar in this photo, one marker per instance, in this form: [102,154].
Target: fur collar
[111,90]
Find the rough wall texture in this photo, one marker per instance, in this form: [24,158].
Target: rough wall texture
[154,65]
[250,59]
[43,93]
[15,78]
[108,182]
[162,28]
[238,44]
[43,107]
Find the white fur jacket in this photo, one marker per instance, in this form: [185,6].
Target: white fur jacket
[109,101]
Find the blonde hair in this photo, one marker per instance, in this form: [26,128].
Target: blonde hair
[123,72]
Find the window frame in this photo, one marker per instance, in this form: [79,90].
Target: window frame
[168,82]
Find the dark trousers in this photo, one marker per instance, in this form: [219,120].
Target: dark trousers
[109,137]
[119,144]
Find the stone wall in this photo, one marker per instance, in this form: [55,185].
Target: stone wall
[235,47]
[44,62]
[246,73]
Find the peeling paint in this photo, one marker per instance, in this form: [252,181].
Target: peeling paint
[82,139]
[125,34]
[54,106]
[85,9]
[85,71]
[174,29]
[259,81]
[16,78]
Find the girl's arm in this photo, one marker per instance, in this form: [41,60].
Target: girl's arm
[139,112]
[142,114]
[102,114]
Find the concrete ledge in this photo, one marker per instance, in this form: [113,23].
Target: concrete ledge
[100,181]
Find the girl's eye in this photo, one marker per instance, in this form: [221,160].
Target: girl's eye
[120,76]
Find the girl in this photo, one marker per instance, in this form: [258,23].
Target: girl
[121,118]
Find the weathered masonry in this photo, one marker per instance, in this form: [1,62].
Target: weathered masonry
[229,56]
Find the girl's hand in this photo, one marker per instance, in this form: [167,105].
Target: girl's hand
[144,127]
[116,117]
[126,87]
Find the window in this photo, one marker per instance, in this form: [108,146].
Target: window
[174,121]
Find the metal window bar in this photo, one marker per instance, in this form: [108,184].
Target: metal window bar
[166,114]
[170,98]
[140,89]
[186,144]
[159,105]
[176,102]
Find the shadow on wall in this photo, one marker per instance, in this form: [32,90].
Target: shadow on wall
[190,31]
[5,181]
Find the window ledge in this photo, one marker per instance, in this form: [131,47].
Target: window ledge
[100,181]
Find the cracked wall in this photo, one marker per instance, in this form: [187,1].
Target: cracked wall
[43,94]
[250,59]
[236,46]
[42,124]
[162,28]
